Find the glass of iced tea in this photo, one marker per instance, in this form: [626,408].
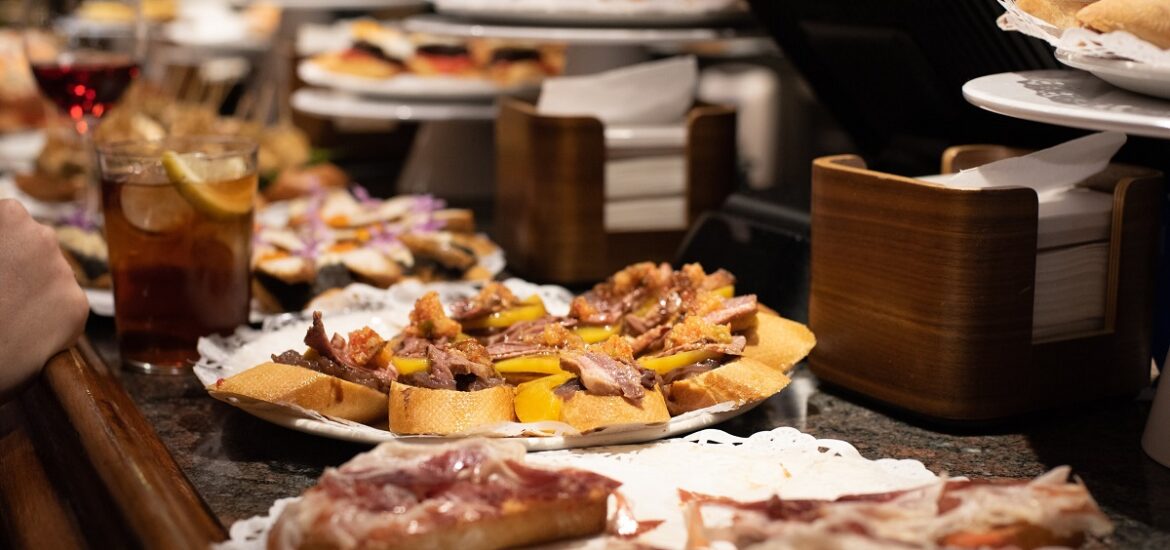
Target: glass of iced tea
[178,218]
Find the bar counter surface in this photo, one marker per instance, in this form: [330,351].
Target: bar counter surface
[239,464]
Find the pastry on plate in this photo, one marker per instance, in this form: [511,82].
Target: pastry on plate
[1148,20]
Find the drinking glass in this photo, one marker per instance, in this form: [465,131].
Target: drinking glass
[83,62]
[178,219]
[83,65]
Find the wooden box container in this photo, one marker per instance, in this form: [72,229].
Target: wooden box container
[921,296]
[550,192]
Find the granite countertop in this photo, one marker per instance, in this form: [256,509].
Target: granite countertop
[241,464]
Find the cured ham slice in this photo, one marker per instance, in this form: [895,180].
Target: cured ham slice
[1047,511]
[473,494]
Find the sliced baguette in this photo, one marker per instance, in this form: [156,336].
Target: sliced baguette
[588,412]
[415,410]
[742,381]
[778,342]
[522,523]
[305,388]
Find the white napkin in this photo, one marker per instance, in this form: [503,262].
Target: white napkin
[1070,290]
[645,194]
[657,92]
[653,214]
[649,176]
[1067,215]
[1050,171]
[1072,260]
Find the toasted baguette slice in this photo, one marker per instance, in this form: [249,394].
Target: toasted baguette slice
[460,220]
[415,410]
[490,499]
[742,381]
[588,412]
[778,342]
[522,524]
[288,384]
[366,66]
[1145,19]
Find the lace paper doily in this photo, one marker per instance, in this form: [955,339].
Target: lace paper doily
[387,312]
[1083,41]
[782,461]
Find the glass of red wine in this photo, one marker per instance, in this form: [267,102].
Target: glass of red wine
[83,60]
[83,63]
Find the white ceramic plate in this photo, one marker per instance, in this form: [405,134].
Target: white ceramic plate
[19,150]
[642,35]
[101,301]
[782,461]
[331,5]
[387,312]
[234,37]
[1129,75]
[345,105]
[1070,98]
[647,13]
[46,212]
[409,86]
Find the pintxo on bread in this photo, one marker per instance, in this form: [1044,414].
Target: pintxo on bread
[647,344]
[311,245]
[471,494]
[379,52]
[1047,512]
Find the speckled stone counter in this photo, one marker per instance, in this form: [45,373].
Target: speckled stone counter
[241,464]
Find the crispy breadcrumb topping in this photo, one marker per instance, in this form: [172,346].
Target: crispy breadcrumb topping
[363,345]
[617,347]
[694,272]
[428,320]
[496,294]
[580,308]
[557,336]
[704,302]
[696,329]
[644,274]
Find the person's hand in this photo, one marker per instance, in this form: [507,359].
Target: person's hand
[42,309]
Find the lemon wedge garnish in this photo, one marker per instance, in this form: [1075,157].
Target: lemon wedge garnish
[220,188]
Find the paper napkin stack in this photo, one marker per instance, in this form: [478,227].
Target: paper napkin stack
[1072,249]
[643,108]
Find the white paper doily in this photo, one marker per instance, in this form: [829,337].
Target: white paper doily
[782,461]
[1082,41]
[387,312]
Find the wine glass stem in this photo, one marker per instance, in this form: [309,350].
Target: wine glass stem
[91,200]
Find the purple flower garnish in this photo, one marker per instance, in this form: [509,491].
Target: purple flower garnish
[81,217]
[363,196]
[315,232]
[428,203]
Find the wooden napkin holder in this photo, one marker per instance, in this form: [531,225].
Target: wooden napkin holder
[550,192]
[921,296]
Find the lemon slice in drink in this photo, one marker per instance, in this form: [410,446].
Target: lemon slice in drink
[219,188]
